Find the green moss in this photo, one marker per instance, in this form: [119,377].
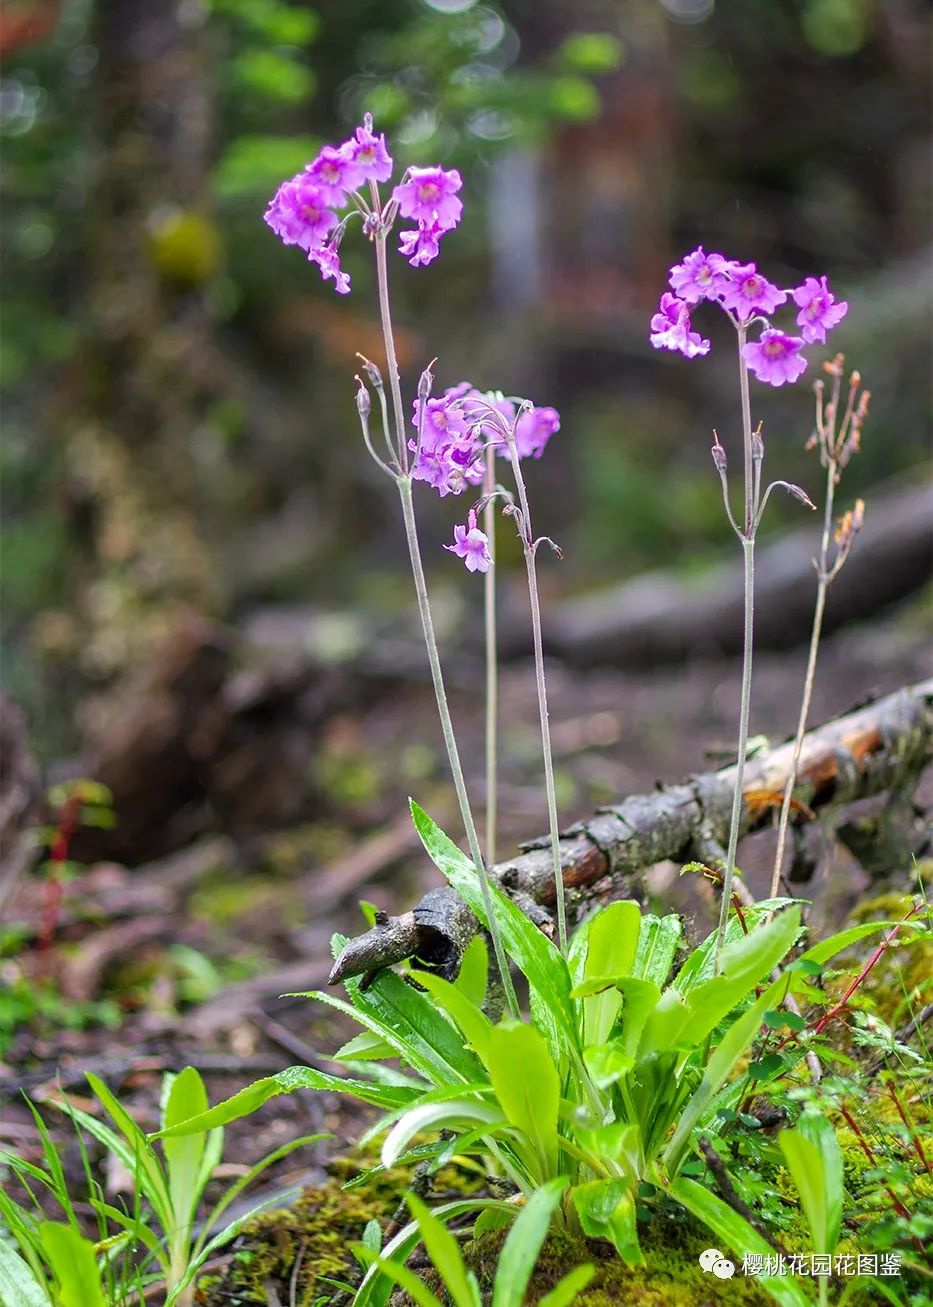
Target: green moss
[318,1229]
[671,1277]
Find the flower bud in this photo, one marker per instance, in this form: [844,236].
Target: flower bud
[363,401]
[800,494]
[425,382]
[719,456]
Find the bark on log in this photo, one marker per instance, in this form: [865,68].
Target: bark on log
[880,748]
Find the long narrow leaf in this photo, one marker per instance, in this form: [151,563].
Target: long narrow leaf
[285,1082]
[523,1244]
[739,1236]
[542,964]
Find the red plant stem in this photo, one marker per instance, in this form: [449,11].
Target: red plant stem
[867,1150]
[911,1130]
[860,978]
[58,856]
[739,913]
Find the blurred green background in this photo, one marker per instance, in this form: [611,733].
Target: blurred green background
[179,426]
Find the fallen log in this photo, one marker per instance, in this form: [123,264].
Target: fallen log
[665,616]
[880,748]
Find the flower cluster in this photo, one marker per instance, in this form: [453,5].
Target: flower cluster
[456,430]
[304,209]
[746,296]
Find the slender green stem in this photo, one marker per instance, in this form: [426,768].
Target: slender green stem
[403,482]
[382,274]
[492,664]
[453,754]
[748,550]
[815,633]
[528,543]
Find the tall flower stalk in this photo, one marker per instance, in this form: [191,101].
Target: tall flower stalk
[305,212]
[837,441]
[492,665]
[530,549]
[748,300]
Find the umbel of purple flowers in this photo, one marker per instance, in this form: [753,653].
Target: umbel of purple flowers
[455,431]
[748,298]
[305,211]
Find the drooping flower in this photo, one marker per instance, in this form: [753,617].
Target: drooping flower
[328,260]
[335,173]
[819,311]
[670,328]
[444,421]
[747,292]
[368,154]
[430,197]
[775,358]
[421,245]
[298,213]
[472,545]
[701,276]
[534,429]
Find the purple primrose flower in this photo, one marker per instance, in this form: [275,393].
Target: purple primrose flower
[701,276]
[422,244]
[430,197]
[775,358]
[302,211]
[335,173]
[298,213]
[328,260]
[369,156]
[472,545]
[670,328]
[818,309]
[743,293]
[534,429]
[747,292]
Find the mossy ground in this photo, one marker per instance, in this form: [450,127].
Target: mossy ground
[314,1233]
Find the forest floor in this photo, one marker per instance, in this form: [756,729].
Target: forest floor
[185,958]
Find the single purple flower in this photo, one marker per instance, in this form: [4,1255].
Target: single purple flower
[701,276]
[747,292]
[534,429]
[670,328]
[775,358]
[298,213]
[422,245]
[328,260]
[433,466]
[819,311]
[444,421]
[369,157]
[472,545]
[335,173]
[430,197]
